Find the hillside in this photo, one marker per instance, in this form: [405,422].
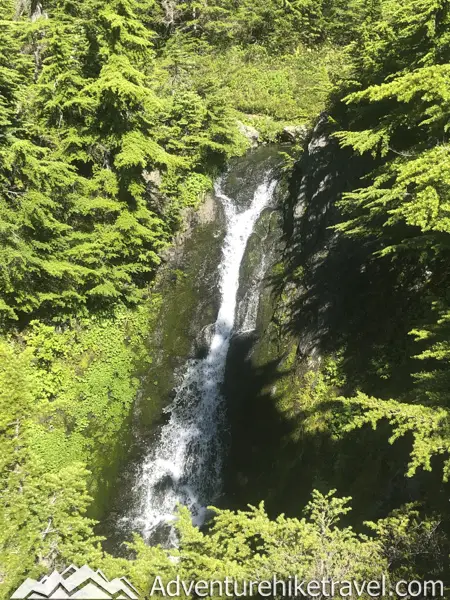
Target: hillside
[117,119]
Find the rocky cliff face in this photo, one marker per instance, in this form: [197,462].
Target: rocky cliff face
[321,323]
[336,279]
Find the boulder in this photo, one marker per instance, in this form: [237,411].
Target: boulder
[293,133]
[250,133]
[153,177]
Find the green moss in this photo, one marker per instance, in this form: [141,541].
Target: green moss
[185,283]
[85,380]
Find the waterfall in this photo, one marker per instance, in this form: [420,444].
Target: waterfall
[185,464]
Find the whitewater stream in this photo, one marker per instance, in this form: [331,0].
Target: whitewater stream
[185,463]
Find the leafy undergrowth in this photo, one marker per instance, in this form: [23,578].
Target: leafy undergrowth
[65,404]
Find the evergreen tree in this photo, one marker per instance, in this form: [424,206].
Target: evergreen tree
[400,117]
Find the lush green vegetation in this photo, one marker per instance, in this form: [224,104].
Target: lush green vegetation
[115,116]
[391,112]
[364,283]
[248,546]
[399,114]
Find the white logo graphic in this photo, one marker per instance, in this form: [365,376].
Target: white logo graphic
[75,583]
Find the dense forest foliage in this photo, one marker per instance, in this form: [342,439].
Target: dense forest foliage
[365,275]
[115,118]
[399,115]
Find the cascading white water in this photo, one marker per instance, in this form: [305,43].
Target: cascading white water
[185,464]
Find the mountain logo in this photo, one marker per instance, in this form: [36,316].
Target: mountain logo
[76,583]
